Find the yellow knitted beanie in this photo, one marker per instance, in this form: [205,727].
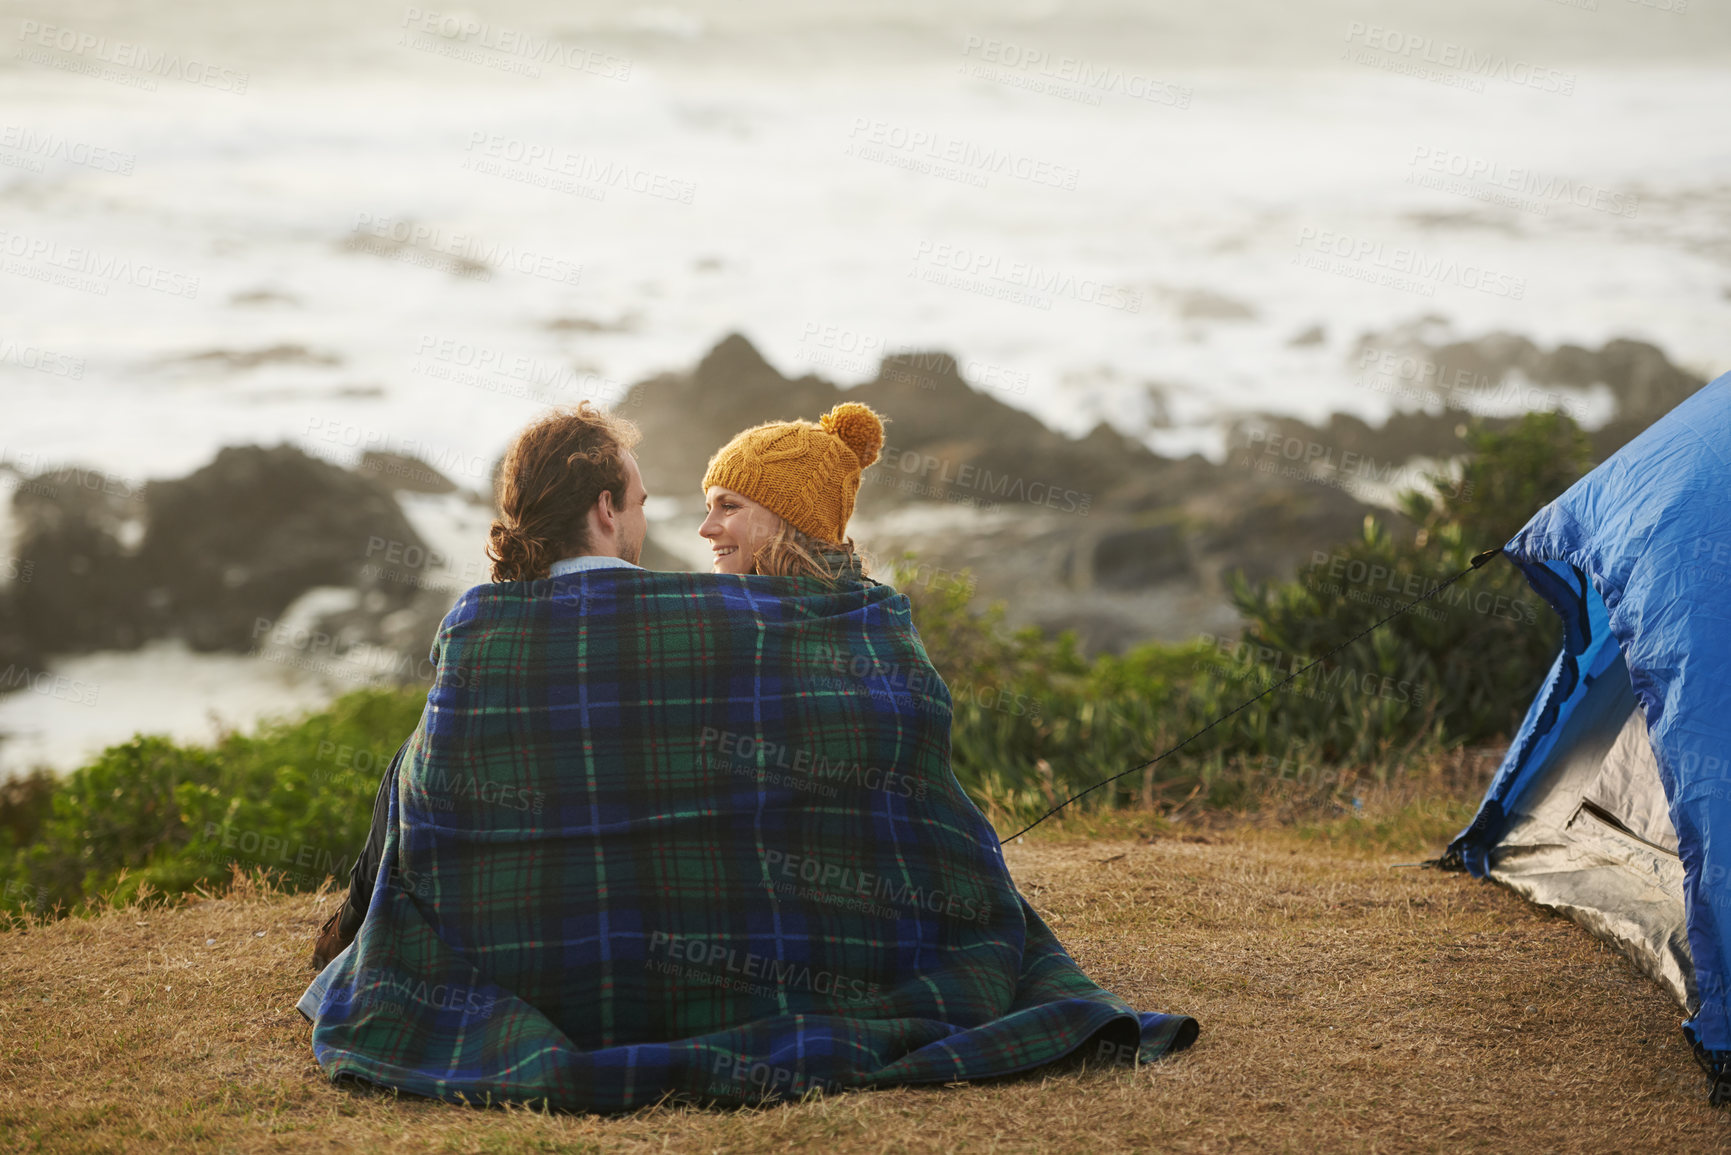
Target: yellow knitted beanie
[806,473]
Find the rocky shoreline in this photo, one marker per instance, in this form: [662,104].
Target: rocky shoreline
[272,552]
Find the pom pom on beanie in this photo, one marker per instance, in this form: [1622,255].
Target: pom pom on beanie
[859,428]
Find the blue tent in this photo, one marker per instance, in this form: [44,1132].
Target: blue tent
[1613,803]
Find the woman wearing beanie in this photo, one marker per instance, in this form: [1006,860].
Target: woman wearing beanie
[780,494]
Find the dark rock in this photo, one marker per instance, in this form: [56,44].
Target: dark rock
[253,358]
[626,324]
[264,296]
[1643,379]
[1265,534]
[84,591]
[18,650]
[1204,305]
[1350,446]
[1133,558]
[243,537]
[1639,375]
[410,247]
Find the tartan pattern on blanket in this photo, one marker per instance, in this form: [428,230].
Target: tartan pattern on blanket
[696,836]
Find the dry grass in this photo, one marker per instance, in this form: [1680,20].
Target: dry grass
[1345,1006]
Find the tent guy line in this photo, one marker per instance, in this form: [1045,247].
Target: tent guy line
[1477,561]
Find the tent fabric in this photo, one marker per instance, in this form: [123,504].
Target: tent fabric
[696,835]
[1593,838]
[1635,558]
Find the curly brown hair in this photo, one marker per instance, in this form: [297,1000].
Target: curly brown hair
[549,480]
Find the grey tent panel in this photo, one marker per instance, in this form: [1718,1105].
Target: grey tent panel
[1628,791]
[1593,839]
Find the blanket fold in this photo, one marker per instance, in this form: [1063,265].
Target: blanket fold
[696,836]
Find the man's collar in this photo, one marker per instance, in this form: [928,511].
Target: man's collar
[587,561]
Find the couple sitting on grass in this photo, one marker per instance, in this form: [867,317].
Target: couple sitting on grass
[690,837]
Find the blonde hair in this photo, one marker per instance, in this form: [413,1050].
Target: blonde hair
[793,553]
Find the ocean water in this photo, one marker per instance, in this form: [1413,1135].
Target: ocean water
[404,227]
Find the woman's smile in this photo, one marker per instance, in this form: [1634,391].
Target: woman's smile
[736,528]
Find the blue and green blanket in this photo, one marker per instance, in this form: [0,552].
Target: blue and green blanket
[696,837]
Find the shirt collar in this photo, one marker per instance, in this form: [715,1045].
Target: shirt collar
[588,561]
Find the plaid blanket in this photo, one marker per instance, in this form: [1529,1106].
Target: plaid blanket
[696,836]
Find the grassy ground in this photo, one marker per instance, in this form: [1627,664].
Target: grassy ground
[1345,1006]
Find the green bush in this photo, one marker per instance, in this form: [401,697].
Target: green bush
[293,798]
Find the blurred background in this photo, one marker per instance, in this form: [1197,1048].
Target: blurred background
[1153,293]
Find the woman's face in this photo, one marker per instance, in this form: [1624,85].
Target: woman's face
[737,527]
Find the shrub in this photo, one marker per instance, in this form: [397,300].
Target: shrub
[293,798]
